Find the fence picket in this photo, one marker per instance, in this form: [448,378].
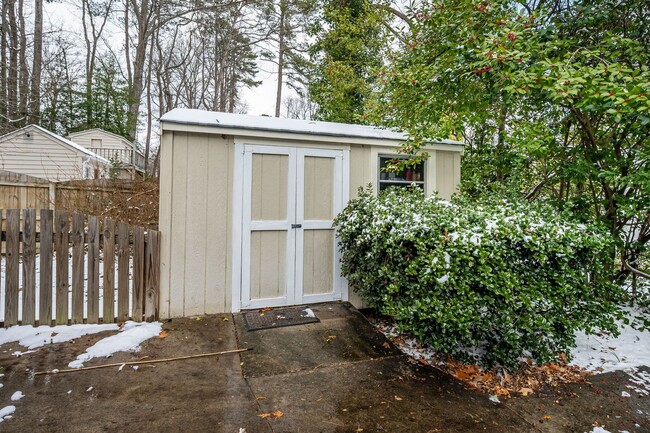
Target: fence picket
[138,272]
[29,267]
[45,289]
[93,269]
[109,271]
[12,267]
[122,271]
[77,268]
[152,272]
[61,245]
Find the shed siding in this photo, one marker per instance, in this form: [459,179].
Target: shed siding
[40,156]
[194,210]
[447,173]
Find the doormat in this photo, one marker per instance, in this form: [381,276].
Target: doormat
[278,318]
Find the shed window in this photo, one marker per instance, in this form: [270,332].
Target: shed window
[409,176]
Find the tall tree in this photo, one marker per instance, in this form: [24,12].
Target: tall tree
[350,44]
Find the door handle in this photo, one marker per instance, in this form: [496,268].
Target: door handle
[296,226]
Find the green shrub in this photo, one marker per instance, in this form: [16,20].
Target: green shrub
[486,282]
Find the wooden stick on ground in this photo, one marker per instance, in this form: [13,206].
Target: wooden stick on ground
[152,361]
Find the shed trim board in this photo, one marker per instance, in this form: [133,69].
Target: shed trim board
[247,203]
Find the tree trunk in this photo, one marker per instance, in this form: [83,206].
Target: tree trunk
[278,95]
[4,30]
[37,65]
[12,80]
[23,85]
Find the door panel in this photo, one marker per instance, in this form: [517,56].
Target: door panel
[268,264]
[269,187]
[319,188]
[318,262]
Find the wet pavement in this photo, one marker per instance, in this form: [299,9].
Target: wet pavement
[338,375]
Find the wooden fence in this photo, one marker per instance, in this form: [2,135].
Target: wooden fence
[62,256]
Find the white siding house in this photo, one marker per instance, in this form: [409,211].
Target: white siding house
[37,152]
[111,146]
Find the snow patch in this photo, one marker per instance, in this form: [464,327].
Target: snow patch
[17,396]
[127,340]
[494,399]
[35,337]
[599,430]
[6,412]
[605,353]
[308,313]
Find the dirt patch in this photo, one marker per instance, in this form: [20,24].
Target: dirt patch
[205,394]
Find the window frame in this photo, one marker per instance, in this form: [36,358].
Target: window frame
[403,183]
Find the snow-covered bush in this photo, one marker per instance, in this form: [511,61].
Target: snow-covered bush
[489,282]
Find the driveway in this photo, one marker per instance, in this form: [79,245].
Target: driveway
[338,375]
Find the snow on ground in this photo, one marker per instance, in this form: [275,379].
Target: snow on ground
[6,412]
[604,353]
[128,339]
[34,337]
[17,396]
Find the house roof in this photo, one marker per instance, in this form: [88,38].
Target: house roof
[58,138]
[292,126]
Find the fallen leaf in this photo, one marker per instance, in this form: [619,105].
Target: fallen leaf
[163,334]
[386,345]
[398,398]
[331,337]
[260,398]
[359,430]
[225,319]
[54,334]
[547,417]
[276,414]
[525,391]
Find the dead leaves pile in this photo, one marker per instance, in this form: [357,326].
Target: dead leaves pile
[527,380]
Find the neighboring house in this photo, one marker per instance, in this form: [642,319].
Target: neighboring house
[37,152]
[112,147]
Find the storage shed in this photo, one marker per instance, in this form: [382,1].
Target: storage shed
[247,203]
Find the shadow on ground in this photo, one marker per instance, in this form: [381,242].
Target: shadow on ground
[338,375]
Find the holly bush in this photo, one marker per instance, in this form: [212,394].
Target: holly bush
[485,282]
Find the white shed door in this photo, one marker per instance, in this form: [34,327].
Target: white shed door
[289,254]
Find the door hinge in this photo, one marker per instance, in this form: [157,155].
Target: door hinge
[296,226]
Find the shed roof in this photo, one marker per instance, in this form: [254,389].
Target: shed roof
[56,137]
[291,126]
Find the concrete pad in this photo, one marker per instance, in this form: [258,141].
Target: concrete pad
[384,395]
[343,335]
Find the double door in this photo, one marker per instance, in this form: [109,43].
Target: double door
[289,252]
